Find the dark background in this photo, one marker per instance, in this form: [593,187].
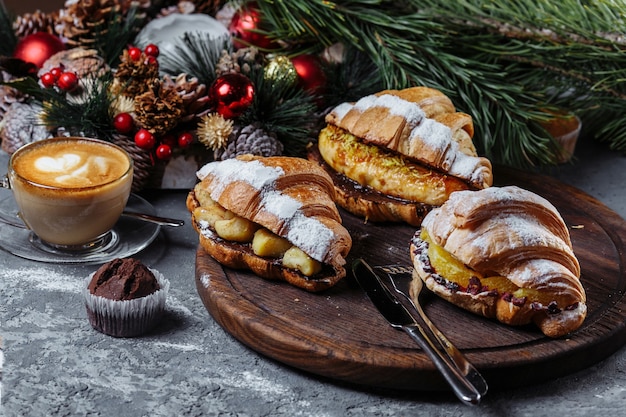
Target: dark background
[29,6]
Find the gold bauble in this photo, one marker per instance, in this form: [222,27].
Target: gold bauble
[280,68]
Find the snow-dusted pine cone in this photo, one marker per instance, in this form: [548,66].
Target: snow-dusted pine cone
[21,125]
[251,139]
[38,21]
[81,21]
[79,60]
[193,93]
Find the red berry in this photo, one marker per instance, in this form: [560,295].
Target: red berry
[57,71]
[169,139]
[123,123]
[67,81]
[163,151]
[134,53]
[144,139]
[48,80]
[151,60]
[185,139]
[151,50]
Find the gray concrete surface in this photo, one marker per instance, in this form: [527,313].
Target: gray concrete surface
[55,364]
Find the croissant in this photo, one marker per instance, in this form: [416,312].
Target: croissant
[504,253]
[274,216]
[396,154]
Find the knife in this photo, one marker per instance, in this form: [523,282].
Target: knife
[399,317]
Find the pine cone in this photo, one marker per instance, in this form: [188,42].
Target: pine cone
[193,94]
[21,125]
[240,61]
[8,95]
[251,139]
[82,20]
[84,62]
[29,23]
[133,77]
[159,109]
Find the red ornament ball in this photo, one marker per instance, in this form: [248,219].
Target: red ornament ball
[244,29]
[36,48]
[231,95]
[163,152]
[144,139]
[123,123]
[67,81]
[310,72]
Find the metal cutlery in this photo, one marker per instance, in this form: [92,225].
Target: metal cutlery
[466,382]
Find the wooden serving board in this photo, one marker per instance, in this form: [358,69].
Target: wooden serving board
[339,334]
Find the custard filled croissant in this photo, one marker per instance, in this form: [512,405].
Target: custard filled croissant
[504,253]
[275,216]
[396,154]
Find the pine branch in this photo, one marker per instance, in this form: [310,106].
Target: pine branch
[80,115]
[499,61]
[8,40]
[195,54]
[114,35]
[284,108]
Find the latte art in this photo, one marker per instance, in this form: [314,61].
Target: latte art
[77,170]
[71,168]
[72,190]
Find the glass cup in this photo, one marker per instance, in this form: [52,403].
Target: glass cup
[70,191]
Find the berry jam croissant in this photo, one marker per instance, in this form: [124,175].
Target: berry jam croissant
[274,216]
[504,253]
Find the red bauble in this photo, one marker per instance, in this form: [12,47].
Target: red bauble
[310,72]
[244,28]
[36,48]
[123,123]
[231,95]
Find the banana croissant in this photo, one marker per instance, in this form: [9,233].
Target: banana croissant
[275,216]
[396,154]
[504,253]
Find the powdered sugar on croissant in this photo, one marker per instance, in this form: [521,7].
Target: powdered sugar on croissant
[515,258]
[290,197]
[421,123]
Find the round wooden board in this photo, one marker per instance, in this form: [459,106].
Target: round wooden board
[339,334]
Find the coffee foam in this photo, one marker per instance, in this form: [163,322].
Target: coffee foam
[61,164]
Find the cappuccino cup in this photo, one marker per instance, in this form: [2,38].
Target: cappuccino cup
[70,191]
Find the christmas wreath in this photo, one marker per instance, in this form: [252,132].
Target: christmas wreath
[202,80]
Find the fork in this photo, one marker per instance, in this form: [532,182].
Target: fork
[397,273]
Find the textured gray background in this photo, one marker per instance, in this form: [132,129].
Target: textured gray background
[55,364]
